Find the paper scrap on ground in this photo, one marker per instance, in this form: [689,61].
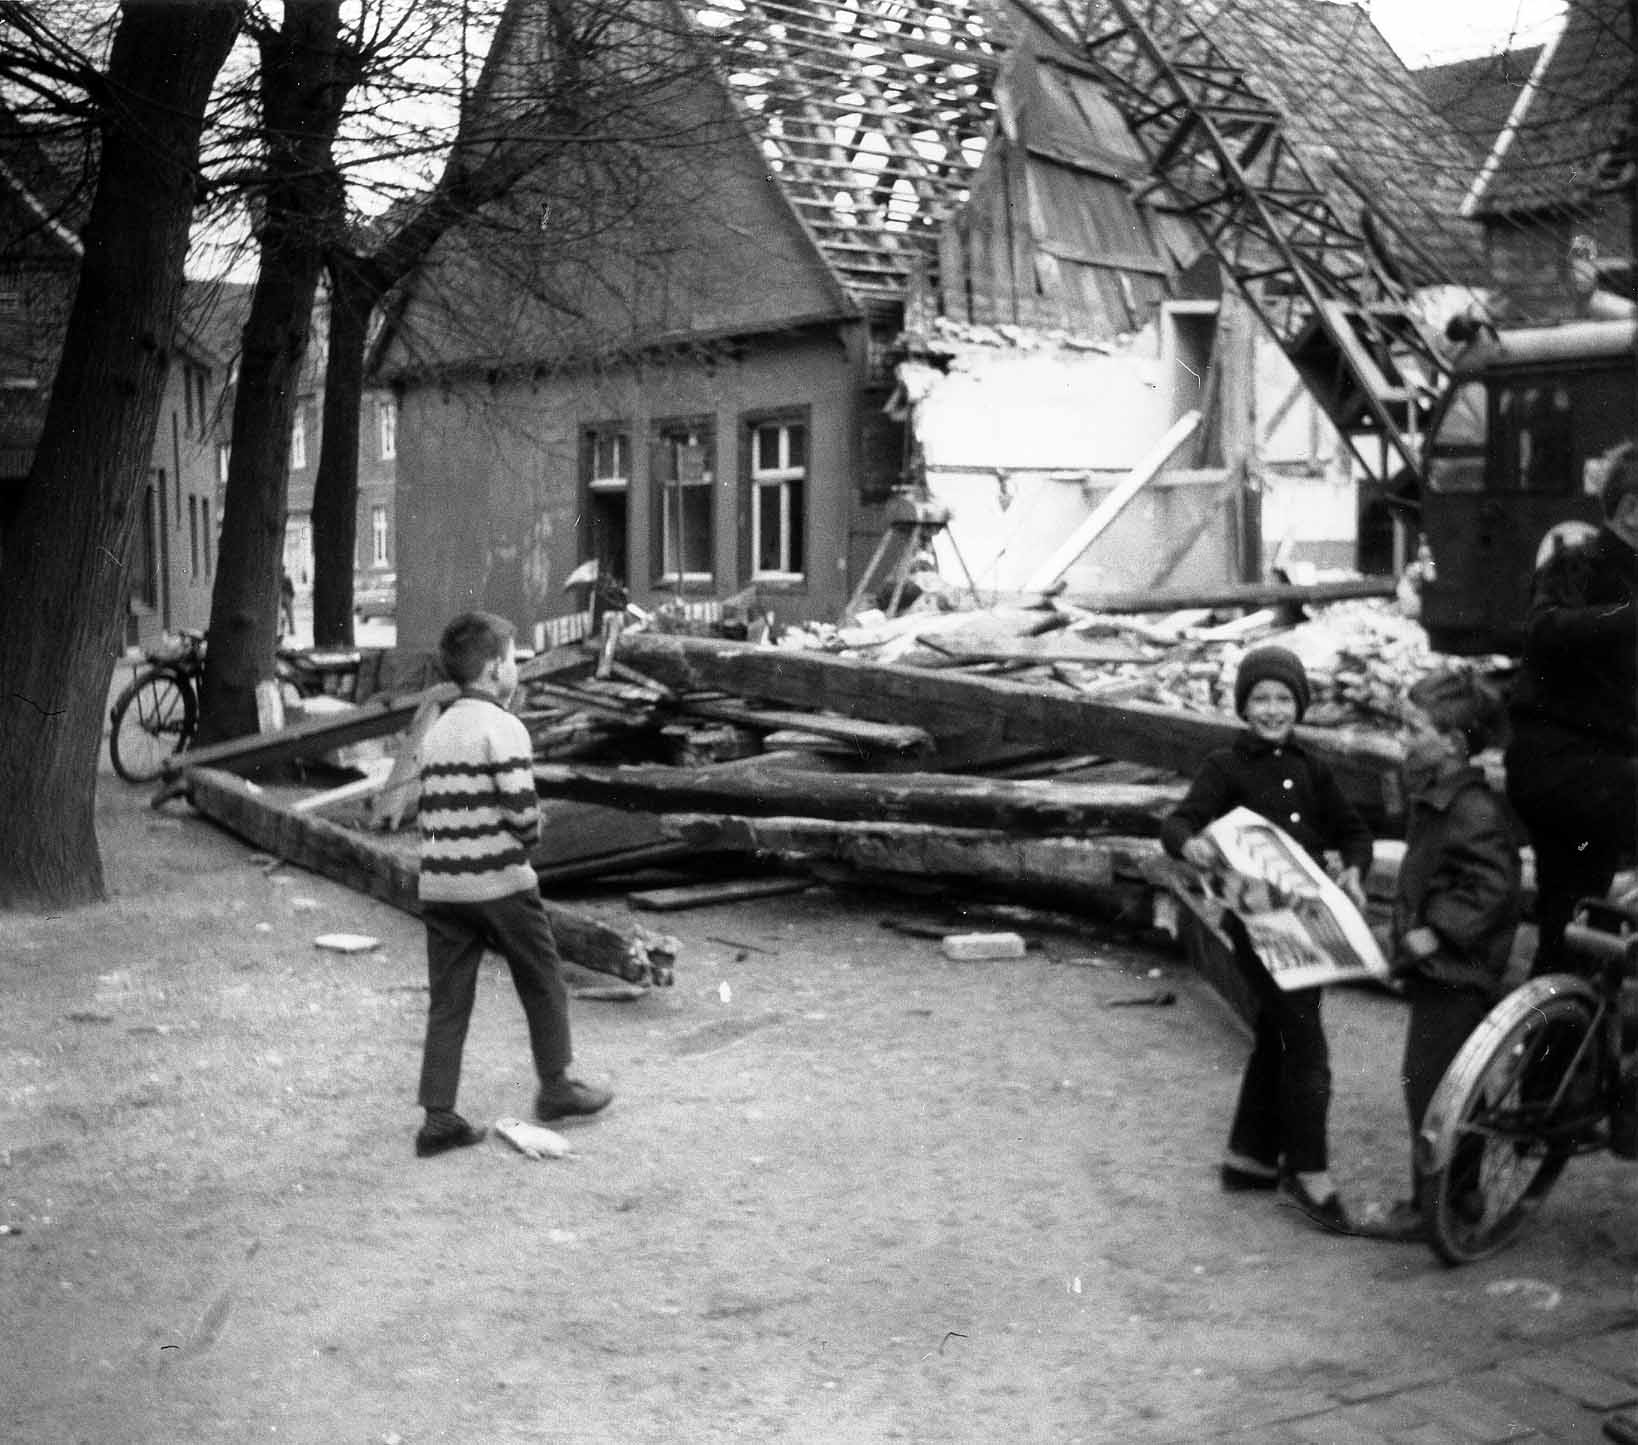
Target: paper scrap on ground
[346,942]
[1304,928]
[532,1139]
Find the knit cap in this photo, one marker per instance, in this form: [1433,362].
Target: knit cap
[1462,702]
[1271,664]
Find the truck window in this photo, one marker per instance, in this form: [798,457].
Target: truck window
[1548,430]
[1456,453]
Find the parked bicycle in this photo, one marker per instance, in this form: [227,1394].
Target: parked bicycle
[1550,1074]
[156,715]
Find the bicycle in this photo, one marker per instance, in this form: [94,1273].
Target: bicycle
[1551,1073]
[157,714]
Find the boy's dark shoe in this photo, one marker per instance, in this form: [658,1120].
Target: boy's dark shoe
[451,1131]
[565,1097]
[1329,1212]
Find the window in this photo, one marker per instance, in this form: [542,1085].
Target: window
[684,476]
[193,536]
[298,440]
[387,421]
[778,500]
[378,537]
[224,454]
[205,533]
[202,380]
[605,476]
[609,451]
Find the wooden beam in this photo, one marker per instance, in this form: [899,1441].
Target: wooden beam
[1237,594]
[702,895]
[972,717]
[363,863]
[942,799]
[1104,876]
[1049,572]
[378,718]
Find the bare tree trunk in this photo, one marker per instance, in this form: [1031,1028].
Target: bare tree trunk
[305,78]
[354,293]
[62,575]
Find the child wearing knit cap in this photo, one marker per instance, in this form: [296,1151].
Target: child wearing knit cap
[1278,1134]
[1458,899]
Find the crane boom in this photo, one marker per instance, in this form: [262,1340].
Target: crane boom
[1220,152]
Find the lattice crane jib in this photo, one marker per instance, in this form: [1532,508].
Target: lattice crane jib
[1219,151]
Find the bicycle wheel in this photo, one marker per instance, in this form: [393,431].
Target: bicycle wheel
[152,719]
[1499,1129]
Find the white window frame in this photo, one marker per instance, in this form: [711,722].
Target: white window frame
[298,440]
[776,482]
[387,424]
[378,536]
[672,491]
[615,475]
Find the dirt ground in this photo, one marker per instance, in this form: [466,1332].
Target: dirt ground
[848,1190]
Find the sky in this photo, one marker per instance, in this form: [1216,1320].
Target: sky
[1434,31]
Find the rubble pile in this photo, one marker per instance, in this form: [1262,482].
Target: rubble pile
[1362,656]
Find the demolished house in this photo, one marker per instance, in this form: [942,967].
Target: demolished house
[878,247]
[1088,320]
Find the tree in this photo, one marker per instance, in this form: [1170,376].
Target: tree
[306,72]
[66,553]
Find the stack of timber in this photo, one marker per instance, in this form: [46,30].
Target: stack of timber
[1025,751]
[291,823]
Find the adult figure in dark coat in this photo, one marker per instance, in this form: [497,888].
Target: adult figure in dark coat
[1572,765]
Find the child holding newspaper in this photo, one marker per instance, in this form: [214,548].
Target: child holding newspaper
[1457,904]
[1279,1130]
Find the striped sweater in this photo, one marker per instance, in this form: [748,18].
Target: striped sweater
[479,811]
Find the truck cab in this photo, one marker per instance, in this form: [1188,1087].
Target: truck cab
[1518,445]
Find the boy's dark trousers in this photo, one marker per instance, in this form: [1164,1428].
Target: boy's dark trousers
[1285,1093]
[518,929]
[1441,1020]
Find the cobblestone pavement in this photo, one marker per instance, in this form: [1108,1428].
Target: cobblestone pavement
[1564,1393]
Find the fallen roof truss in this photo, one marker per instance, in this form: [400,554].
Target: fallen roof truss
[872,113]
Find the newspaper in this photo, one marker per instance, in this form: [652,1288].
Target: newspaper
[1304,928]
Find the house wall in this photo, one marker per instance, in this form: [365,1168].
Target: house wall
[1529,257]
[490,479]
[174,565]
[376,469]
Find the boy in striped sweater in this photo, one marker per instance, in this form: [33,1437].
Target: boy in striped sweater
[479,815]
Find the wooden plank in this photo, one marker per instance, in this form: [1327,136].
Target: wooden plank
[370,785]
[378,718]
[973,718]
[1111,506]
[867,736]
[366,865]
[944,799]
[701,895]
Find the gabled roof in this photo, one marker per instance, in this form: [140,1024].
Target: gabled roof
[1477,96]
[874,113]
[43,188]
[1559,153]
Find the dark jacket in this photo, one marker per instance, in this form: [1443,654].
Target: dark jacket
[1460,877]
[1579,671]
[1288,785]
